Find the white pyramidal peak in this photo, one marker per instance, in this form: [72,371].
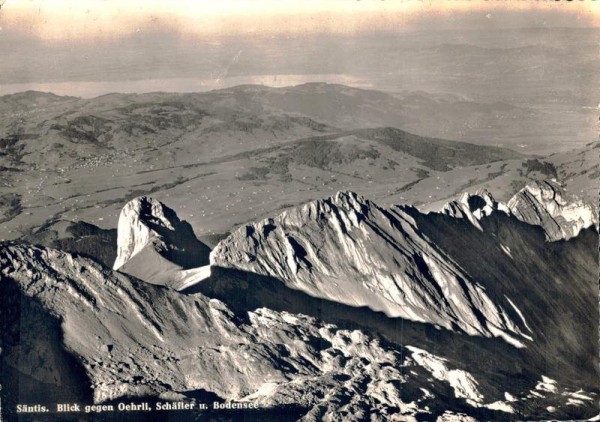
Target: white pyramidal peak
[348,250]
[153,244]
[134,234]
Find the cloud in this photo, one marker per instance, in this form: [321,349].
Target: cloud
[92,19]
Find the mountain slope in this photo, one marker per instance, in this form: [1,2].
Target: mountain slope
[579,170]
[474,207]
[98,154]
[349,250]
[553,285]
[78,237]
[81,159]
[290,335]
[117,329]
[544,204]
[498,277]
[442,115]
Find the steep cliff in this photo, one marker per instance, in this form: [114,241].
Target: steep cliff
[154,245]
[547,205]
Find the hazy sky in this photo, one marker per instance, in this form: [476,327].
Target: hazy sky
[74,19]
[88,47]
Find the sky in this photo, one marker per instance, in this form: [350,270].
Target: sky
[90,47]
[88,19]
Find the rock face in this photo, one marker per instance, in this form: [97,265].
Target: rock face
[154,245]
[117,328]
[474,207]
[545,204]
[348,250]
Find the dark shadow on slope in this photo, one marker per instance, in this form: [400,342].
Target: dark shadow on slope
[553,284]
[183,247]
[34,367]
[244,291]
[78,237]
[497,366]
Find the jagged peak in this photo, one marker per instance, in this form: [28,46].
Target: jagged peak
[474,206]
[345,199]
[482,193]
[352,201]
[350,195]
[541,203]
[349,250]
[351,205]
[348,206]
[150,210]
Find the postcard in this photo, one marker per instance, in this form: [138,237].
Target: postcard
[299,210]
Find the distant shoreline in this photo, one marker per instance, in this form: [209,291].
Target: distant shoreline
[93,89]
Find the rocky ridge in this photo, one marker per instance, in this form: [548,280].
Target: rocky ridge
[474,207]
[349,250]
[343,249]
[544,204]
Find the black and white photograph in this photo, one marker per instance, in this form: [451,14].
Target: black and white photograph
[299,210]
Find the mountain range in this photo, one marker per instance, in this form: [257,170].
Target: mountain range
[338,309]
[316,252]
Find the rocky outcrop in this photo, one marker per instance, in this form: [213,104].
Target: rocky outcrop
[474,207]
[547,205]
[154,245]
[138,340]
[349,250]
[544,204]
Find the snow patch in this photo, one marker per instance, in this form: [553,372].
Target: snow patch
[501,406]
[506,250]
[547,385]
[518,311]
[462,382]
